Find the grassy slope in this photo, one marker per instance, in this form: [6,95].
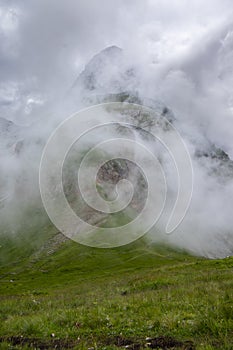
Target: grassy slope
[70,295]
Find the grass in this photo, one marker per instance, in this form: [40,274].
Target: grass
[69,296]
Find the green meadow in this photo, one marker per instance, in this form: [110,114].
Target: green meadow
[57,294]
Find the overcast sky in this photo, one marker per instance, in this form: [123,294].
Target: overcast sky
[45,44]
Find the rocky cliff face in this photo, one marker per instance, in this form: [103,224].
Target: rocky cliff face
[103,71]
[109,77]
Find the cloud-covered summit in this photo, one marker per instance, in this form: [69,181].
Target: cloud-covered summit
[55,58]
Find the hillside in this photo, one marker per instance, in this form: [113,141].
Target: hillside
[57,294]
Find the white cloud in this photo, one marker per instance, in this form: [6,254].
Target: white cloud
[182,52]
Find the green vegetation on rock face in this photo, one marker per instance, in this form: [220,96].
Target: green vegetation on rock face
[58,294]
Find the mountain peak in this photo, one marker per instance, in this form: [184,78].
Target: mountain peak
[104,72]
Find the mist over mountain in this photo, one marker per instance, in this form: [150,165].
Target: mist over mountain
[175,58]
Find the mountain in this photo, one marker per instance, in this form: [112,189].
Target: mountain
[107,77]
[104,72]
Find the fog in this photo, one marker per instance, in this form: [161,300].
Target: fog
[177,54]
